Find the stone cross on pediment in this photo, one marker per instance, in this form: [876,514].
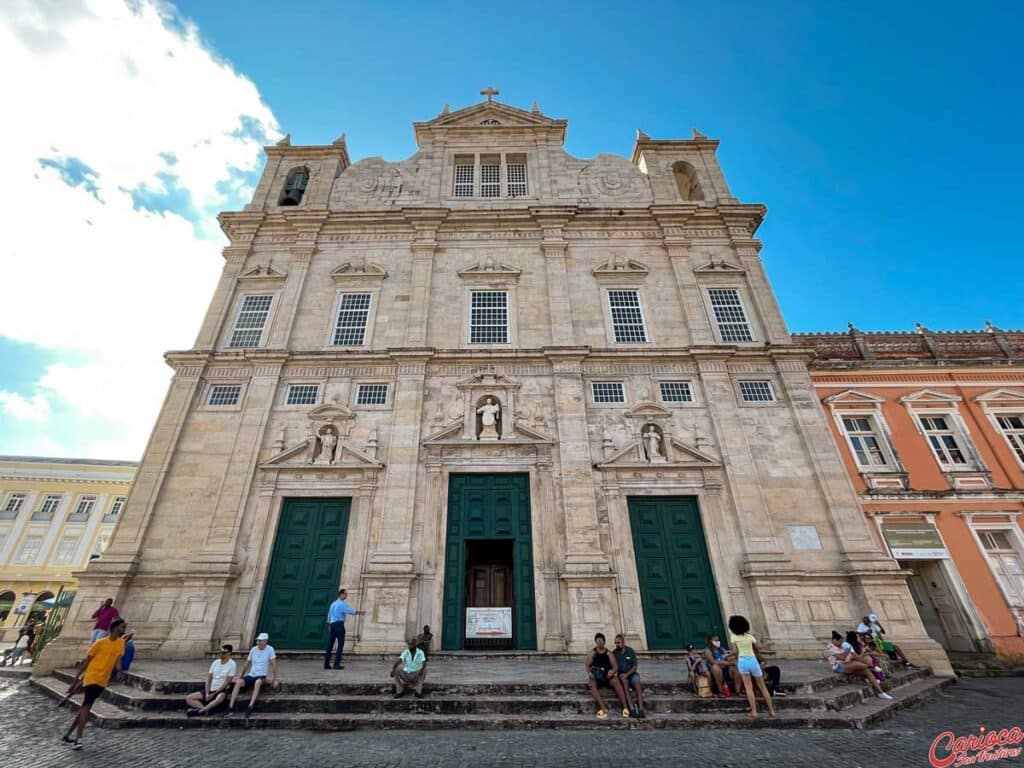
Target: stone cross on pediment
[490,92]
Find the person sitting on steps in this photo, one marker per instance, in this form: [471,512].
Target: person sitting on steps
[626,661]
[714,660]
[254,673]
[745,646]
[844,661]
[218,685]
[410,670]
[892,650]
[603,672]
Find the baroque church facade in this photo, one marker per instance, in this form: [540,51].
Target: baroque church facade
[494,375]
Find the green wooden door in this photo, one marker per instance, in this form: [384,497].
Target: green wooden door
[677,588]
[489,507]
[304,572]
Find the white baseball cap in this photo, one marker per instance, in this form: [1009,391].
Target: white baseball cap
[862,628]
[262,636]
[873,617]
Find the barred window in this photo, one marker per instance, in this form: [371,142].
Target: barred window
[490,180]
[302,394]
[224,394]
[488,317]
[730,316]
[251,318]
[516,179]
[372,394]
[464,180]
[627,317]
[353,314]
[757,392]
[676,392]
[608,391]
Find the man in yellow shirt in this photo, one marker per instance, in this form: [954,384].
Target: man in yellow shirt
[103,660]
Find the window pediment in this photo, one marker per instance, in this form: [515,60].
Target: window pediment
[720,267]
[854,397]
[620,268]
[1011,397]
[262,276]
[488,270]
[358,271]
[926,397]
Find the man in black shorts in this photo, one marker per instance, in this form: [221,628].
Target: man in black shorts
[101,663]
[603,672]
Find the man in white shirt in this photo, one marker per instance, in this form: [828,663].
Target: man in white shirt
[218,685]
[261,660]
[410,670]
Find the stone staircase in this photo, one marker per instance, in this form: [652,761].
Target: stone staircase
[825,701]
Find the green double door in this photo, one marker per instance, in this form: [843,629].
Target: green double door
[677,587]
[305,568]
[488,515]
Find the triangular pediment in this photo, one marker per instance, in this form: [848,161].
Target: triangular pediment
[1009,396]
[486,378]
[619,267]
[346,457]
[489,269]
[853,397]
[521,435]
[929,396]
[488,116]
[720,267]
[646,409]
[330,411]
[632,457]
[358,270]
[262,275]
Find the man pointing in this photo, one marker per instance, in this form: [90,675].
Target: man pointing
[336,621]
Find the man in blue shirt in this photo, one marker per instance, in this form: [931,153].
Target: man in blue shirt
[336,620]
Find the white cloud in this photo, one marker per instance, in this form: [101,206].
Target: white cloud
[111,100]
[34,408]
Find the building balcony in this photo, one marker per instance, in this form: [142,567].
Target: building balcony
[42,517]
[78,517]
[6,514]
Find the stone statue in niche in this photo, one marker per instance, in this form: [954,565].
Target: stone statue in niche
[490,413]
[311,441]
[652,444]
[328,443]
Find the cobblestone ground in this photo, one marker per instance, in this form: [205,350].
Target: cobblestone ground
[30,726]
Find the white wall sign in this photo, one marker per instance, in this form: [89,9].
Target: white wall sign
[914,541]
[488,622]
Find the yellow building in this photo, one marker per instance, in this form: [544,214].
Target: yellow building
[55,515]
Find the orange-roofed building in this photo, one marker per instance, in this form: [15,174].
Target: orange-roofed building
[931,428]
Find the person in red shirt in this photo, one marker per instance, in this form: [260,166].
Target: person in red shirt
[104,615]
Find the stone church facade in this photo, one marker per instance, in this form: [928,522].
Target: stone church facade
[494,373]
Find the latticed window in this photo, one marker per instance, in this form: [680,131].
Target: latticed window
[676,392]
[48,507]
[627,317]
[353,314]
[488,317]
[116,507]
[464,180]
[83,509]
[490,180]
[865,443]
[14,502]
[252,317]
[943,440]
[730,316]
[302,394]
[65,549]
[608,391]
[516,179]
[30,549]
[1013,427]
[757,392]
[225,394]
[372,394]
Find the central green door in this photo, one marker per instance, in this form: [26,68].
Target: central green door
[304,572]
[494,507]
[677,588]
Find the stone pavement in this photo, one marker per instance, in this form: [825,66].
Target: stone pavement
[30,725]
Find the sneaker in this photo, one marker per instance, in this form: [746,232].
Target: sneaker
[884,695]
[910,665]
[726,692]
[399,695]
[625,712]
[339,666]
[66,741]
[191,712]
[876,668]
[248,712]
[602,715]
[418,695]
[635,712]
[779,693]
[76,745]
[228,713]
[643,714]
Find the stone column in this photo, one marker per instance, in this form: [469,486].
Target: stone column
[553,245]
[424,247]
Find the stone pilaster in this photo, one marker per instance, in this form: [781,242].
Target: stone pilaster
[241,228]
[300,254]
[424,248]
[553,245]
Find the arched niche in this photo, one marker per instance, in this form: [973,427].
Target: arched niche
[489,414]
[687,182]
[294,186]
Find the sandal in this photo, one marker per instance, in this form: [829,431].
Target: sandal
[602,715]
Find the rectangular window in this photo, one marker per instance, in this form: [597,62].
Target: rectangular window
[608,391]
[464,178]
[757,392]
[516,178]
[676,392]
[302,394]
[372,394]
[116,507]
[1005,561]
[490,177]
[14,502]
[353,314]
[30,549]
[224,394]
[83,509]
[48,507]
[488,317]
[864,441]
[627,317]
[65,549]
[252,317]
[1013,427]
[730,316]
[943,441]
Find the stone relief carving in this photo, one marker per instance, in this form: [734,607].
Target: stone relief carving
[613,179]
[370,182]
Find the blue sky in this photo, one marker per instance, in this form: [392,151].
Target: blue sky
[882,138]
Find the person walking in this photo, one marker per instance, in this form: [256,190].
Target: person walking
[336,621]
[104,615]
[101,662]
